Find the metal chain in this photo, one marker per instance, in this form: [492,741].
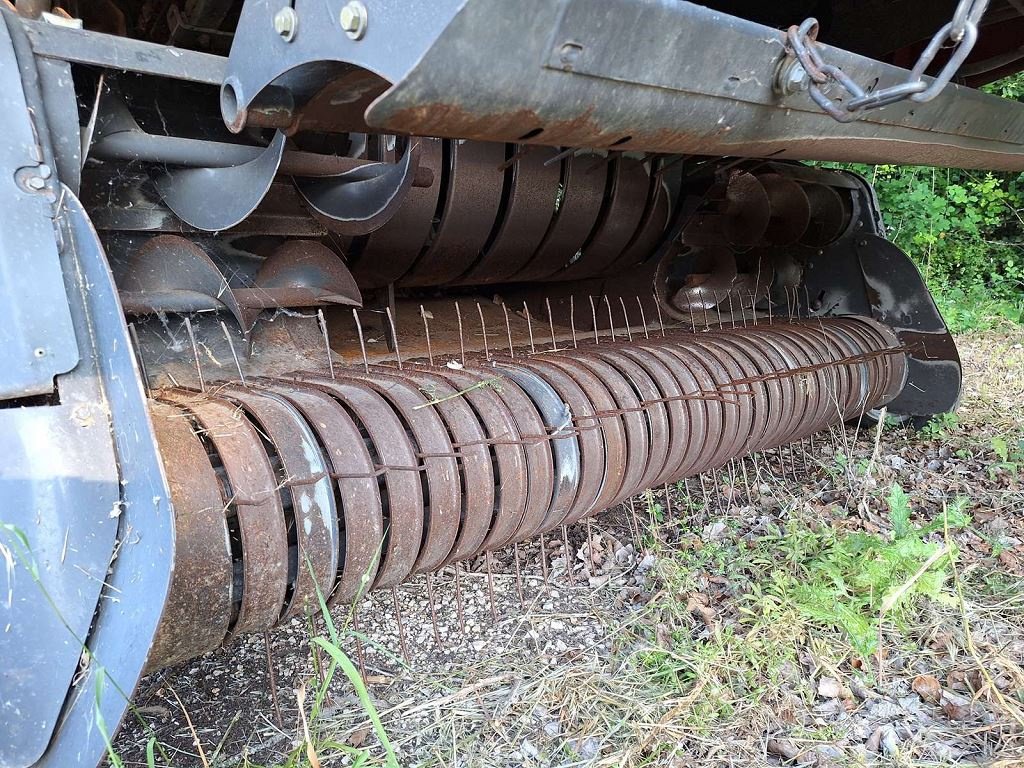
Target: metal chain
[962,32]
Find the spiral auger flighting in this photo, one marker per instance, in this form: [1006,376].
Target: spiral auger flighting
[367,477]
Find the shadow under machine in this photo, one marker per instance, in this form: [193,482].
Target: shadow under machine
[314,296]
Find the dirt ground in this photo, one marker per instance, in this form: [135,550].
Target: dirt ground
[686,632]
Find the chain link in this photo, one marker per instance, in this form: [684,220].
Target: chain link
[961,32]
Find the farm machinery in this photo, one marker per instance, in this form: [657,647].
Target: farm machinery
[304,298]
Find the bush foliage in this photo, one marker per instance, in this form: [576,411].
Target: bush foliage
[965,230]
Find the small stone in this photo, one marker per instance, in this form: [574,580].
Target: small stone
[528,750]
[829,688]
[889,742]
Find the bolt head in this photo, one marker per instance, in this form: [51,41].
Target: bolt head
[286,23]
[791,77]
[35,182]
[353,18]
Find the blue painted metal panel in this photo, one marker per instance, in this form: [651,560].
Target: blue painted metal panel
[59,501]
[37,340]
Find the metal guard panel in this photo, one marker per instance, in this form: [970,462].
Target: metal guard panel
[59,501]
[139,576]
[700,79]
[37,340]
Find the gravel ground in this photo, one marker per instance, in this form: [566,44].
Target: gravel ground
[548,669]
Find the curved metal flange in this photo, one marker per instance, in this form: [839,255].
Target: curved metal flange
[170,273]
[361,200]
[215,199]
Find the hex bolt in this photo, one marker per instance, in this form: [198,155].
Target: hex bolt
[791,77]
[35,182]
[569,55]
[353,18]
[286,23]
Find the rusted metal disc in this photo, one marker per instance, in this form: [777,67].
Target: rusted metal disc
[475,470]
[307,494]
[199,603]
[747,209]
[591,441]
[790,397]
[361,526]
[624,207]
[696,409]
[390,251]
[829,215]
[653,412]
[472,183]
[796,392]
[680,432]
[401,491]
[253,506]
[770,399]
[529,208]
[612,428]
[633,421]
[790,210]
[584,181]
[540,468]
[803,391]
[509,467]
[442,490]
[888,373]
[740,217]
[722,429]
[565,450]
[867,377]
[734,406]
[836,384]
[649,232]
[751,400]
[895,364]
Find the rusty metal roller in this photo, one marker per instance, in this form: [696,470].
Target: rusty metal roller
[363,478]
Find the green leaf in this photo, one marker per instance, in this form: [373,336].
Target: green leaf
[899,511]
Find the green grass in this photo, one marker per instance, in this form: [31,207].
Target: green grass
[804,583]
[976,309]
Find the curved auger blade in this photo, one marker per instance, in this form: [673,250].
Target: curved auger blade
[299,273]
[215,199]
[361,200]
[110,115]
[170,273]
[303,273]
